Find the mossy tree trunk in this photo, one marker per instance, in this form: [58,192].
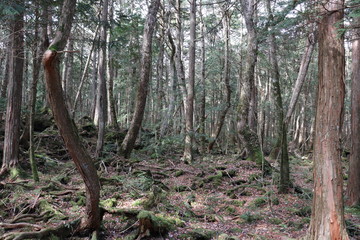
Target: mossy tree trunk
[246,123]
[67,128]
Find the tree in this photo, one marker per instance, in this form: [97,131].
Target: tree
[327,218]
[190,88]
[101,97]
[67,128]
[353,188]
[226,76]
[130,138]
[247,125]
[38,51]
[281,127]
[14,94]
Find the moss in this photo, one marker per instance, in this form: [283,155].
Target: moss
[45,206]
[157,224]
[238,203]
[179,173]
[181,188]
[250,218]
[216,179]
[275,221]
[303,212]
[259,202]
[198,234]
[111,202]
[230,210]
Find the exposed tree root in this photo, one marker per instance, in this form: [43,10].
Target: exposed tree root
[62,231]
[19,225]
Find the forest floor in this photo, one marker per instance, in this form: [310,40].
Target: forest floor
[218,196]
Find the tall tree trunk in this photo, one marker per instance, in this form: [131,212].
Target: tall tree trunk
[353,189]
[110,75]
[202,98]
[130,138]
[83,76]
[37,53]
[226,77]
[172,87]
[189,104]
[245,124]
[327,218]
[304,66]
[7,69]
[101,97]
[14,94]
[281,128]
[68,131]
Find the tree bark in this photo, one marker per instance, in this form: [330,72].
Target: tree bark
[130,138]
[14,95]
[189,104]
[202,98]
[245,125]
[281,128]
[37,53]
[353,188]
[226,77]
[327,218]
[101,97]
[304,66]
[83,76]
[67,128]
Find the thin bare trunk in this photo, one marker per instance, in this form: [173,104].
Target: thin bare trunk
[305,61]
[130,138]
[83,76]
[101,97]
[226,77]
[353,189]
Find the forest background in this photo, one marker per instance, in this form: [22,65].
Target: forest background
[274,84]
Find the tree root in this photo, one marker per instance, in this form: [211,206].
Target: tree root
[35,217]
[19,225]
[62,231]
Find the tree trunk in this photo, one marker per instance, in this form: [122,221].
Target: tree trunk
[14,95]
[327,218]
[172,87]
[101,96]
[83,76]
[281,128]
[353,189]
[189,104]
[130,138]
[67,128]
[202,98]
[245,124]
[37,53]
[305,62]
[221,120]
